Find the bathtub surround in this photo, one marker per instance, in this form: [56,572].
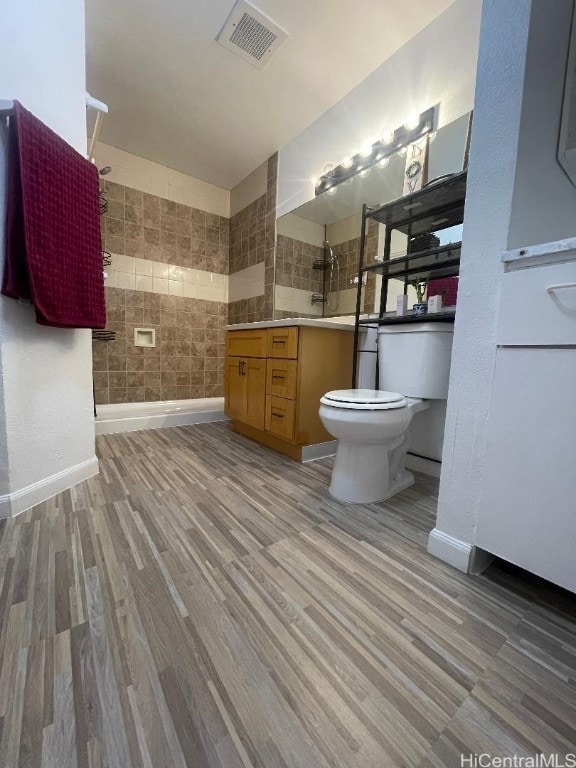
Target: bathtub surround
[187,361]
[145,226]
[46,419]
[169,272]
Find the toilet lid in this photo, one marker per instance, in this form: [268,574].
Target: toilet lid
[363,399]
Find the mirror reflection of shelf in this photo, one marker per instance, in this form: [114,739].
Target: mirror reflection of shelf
[441,261]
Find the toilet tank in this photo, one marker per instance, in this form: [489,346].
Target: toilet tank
[414,359]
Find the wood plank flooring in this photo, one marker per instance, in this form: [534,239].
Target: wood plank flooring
[204,602]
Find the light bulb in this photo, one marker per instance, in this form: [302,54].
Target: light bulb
[347,162]
[328,168]
[412,123]
[364,173]
[387,136]
[384,162]
[403,151]
[332,190]
[432,136]
[348,182]
[366,150]
[315,181]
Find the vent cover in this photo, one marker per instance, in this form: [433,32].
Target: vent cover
[250,34]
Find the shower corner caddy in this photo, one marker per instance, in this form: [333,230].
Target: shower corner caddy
[435,207]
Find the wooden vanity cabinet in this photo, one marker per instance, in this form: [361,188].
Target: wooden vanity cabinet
[275,378]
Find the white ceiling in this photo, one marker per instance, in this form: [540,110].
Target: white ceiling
[180,99]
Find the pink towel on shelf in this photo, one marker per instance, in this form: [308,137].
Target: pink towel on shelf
[53,243]
[447,287]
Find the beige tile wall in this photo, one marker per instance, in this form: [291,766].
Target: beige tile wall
[187,361]
[146,226]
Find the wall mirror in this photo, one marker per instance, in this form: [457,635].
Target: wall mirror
[318,244]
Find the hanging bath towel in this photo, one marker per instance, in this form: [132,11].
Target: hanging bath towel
[53,243]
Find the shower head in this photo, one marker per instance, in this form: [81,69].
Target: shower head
[105,171]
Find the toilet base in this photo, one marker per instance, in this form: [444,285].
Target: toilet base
[367,473]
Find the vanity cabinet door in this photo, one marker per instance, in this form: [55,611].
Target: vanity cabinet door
[245,391]
[254,373]
[235,389]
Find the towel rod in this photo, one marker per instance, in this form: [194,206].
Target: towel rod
[7,106]
[7,109]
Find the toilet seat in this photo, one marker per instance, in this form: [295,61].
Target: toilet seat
[363,399]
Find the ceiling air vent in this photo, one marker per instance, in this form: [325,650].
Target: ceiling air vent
[250,34]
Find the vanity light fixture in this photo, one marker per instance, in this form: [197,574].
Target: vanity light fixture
[390,143]
[387,137]
[412,122]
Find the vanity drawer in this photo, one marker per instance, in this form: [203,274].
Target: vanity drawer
[283,342]
[281,378]
[280,415]
[246,343]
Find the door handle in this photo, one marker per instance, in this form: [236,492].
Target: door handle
[241,368]
[560,286]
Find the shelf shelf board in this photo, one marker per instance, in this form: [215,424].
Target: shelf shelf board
[432,208]
[443,259]
[434,317]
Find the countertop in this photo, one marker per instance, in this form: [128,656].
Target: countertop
[344,323]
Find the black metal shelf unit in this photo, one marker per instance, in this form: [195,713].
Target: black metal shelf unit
[436,207]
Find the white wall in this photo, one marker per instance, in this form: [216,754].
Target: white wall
[147,176]
[249,189]
[46,387]
[522,44]
[438,66]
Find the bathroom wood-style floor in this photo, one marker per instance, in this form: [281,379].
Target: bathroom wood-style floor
[204,602]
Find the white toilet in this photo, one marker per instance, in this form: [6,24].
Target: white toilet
[373,426]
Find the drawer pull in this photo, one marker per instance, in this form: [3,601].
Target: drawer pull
[552,288]
[277,379]
[279,342]
[277,415]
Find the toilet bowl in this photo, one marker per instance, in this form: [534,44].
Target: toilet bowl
[373,426]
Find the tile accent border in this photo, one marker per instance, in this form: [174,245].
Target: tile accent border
[135,274]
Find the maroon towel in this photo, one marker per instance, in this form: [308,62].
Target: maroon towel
[447,287]
[53,244]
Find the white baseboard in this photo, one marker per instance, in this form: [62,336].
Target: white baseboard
[425,466]
[319,450]
[460,554]
[12,504]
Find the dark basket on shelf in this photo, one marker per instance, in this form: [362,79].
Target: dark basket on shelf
[423,242]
